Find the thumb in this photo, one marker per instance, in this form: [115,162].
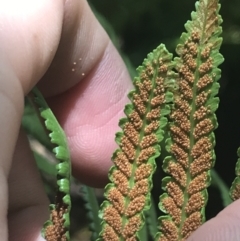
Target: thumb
[225,226]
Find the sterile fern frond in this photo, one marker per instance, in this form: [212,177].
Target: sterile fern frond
[92,208]
[57,227]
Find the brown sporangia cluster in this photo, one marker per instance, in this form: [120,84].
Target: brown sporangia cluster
[191,137]
[129,192]
[56,231]
[235,194]
[235,188]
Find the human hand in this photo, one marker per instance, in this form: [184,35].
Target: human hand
[60,45]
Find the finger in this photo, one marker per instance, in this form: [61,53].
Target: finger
[28,204]
[27,48]
[29,37]
[89,112]
[225,226]
[82,45]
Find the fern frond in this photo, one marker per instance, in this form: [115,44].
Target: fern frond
[92,207]
[151,220]
[134,163]
[235,188]
[219,183]
[143,232]
[191,143]
[57,228]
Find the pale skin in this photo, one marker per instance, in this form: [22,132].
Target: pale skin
[59,45]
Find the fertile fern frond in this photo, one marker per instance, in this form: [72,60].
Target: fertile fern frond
[191,142]
[134,163]
[235,188]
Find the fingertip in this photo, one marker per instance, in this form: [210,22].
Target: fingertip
[225,226]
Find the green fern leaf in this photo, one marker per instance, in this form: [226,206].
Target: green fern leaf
[128,196]
[191,143]
[151,220]
[143,232]
[219,183]
[92,207]
[57,228]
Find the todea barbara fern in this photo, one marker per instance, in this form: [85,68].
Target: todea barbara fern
[174,98]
